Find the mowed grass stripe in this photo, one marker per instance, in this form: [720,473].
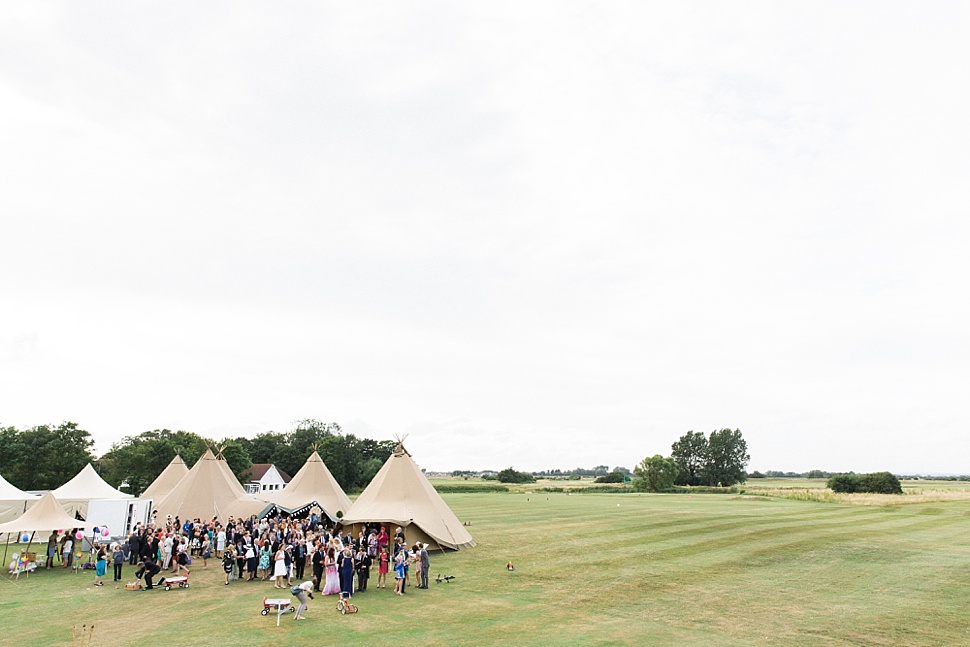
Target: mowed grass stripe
[657,570]
[762,547]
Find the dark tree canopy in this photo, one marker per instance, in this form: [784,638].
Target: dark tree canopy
[719,459]
[876,483]
[44,457]
[140,459]
[727,456]
[656,474]
[690,454]
[352,461]
[510,475]
[612,477]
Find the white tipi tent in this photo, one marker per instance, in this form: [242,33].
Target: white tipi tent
[209,490]
[167,480]
[13,500]
[401,495]
[313,485]
[85,487]
[88,484]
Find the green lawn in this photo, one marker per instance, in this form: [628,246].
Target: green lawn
[625,569]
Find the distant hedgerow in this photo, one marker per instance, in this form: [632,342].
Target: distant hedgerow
[464,489]
[876,483]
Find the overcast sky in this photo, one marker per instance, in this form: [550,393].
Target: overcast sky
[545,235]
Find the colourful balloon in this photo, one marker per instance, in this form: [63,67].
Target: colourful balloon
[79,535]
[104,531]
[25,538]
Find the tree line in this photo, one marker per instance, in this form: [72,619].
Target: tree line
[47,456]
[776,474]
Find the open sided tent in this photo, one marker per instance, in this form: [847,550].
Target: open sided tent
[313,485]
[209,490]
[86,486]
[13,500]
[167,480]
[46,514]
[401,495]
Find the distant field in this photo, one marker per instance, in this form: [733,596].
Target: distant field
[921,491]
[914,491]
[591,569]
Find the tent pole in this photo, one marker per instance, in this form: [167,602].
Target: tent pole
[5,547]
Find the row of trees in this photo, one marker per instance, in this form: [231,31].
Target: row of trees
[579,472]
[45,457]
[353,461]
[140,459]
[775,474]
[695,459]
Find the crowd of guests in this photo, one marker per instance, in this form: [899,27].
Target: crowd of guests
[279,550]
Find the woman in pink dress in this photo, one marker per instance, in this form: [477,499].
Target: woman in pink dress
[382,569]
[332,585]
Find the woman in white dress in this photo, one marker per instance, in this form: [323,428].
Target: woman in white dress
[167,552]
[220,542]
[279,566]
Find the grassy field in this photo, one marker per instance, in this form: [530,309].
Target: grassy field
[591,569]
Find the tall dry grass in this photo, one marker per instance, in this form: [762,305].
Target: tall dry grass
[910,495]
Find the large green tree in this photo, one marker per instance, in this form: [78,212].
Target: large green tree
[690,454]
[140,459]
[727,457]
[44,457]
[656,474]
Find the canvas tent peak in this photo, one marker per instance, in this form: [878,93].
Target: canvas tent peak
[401,494]
[87,485]
[167,480]
[313,485]
[209,489]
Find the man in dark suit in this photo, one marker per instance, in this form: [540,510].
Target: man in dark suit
[299,558]
[317,560]
[134,548]
[362,566]
[149,569]
[425,566]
